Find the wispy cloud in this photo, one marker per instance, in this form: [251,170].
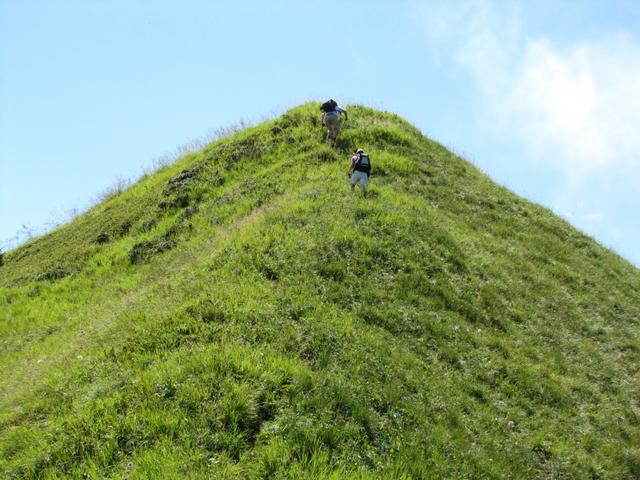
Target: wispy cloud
[576,104]
[583,102]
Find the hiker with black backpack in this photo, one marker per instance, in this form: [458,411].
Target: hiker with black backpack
[360,170]
[331,118]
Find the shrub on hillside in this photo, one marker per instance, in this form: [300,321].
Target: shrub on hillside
[56,273]
[143,251]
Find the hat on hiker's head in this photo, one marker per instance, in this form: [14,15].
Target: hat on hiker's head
[359,150]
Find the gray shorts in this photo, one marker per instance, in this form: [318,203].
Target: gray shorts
[331,120]
[359,178]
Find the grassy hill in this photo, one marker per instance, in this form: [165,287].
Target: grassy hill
[242,314]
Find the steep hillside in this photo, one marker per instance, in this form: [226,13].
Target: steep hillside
[242,314]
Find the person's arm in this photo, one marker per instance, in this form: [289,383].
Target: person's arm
[354,160]
[342,110]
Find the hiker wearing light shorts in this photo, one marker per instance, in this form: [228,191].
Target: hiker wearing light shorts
[360,170]
[331,117]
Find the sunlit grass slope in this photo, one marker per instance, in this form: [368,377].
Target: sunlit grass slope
[242,314]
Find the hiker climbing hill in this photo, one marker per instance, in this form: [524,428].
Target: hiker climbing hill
[331,118]
[359,170]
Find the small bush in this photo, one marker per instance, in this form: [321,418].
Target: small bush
[124,228]
[180,201]
[55,273]
[148,225]
[189,212]
[181,180]
[102,238]
[143,251]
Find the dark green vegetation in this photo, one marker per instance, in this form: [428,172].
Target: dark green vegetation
[240,314]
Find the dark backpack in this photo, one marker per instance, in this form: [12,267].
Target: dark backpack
[363,164]
[329,106]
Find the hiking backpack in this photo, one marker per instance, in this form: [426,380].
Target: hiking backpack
[329,106]
[363,164]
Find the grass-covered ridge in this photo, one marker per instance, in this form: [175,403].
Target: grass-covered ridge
[241,314]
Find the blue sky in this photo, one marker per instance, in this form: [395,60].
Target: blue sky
[543,96]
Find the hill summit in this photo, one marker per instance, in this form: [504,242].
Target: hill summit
[242,314]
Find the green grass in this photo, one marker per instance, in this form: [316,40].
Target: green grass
[241,314]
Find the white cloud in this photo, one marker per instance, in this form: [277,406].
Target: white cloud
[583,103]
[576,105]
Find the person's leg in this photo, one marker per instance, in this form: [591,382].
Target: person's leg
[332,125]
[363,184]
[353,180]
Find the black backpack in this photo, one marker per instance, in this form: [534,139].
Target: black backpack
[329,106]
[363,164]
